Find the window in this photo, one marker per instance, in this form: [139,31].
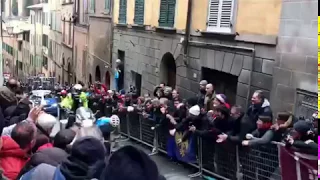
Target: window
[45,62]
[19,45]
[84,14]
[92,6]
[220,16]
[139,12]
[64,30]
[58,22]
[43,18]
[167,13]
[123,12]
[107,6]
[69,38]
[45,40]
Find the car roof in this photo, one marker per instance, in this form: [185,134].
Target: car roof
[40,92]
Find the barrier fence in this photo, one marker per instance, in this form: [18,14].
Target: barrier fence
[226,160]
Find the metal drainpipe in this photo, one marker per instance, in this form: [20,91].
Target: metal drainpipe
[72,54]
[215,45]
[187,33]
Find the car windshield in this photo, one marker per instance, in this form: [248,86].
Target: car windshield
[48,96]
[35,98]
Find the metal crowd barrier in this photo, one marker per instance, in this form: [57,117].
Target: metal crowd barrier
[223,161]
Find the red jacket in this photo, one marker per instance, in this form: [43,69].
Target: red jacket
[13,158]
[45,146]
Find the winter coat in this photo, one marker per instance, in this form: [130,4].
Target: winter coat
[7,97]
[254,111]
[52,156]
[13,158]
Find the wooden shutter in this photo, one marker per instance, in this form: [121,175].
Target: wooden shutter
[220,16]
[139,12]
[167,13]
[171,12]
[107,6]
[123,12]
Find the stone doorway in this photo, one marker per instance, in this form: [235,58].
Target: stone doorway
[168,70]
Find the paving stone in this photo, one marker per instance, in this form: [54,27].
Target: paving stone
[227,62]
[261,80]
[267,66]
[286,93]
[293,62]
[211,59]
[237,65]
[218,60]
[247,62]
[244,76]
[257,65]
[242,89]
[282,76]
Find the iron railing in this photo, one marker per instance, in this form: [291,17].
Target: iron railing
[224,161]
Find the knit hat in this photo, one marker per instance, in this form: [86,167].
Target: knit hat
[221,97]
[130,163]
[195,110]
[46,121]
[265,119]
[88,149]
[63,138]
[302,126]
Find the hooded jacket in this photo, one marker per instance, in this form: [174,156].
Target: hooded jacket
[86,160]
[256,110]
[13,158]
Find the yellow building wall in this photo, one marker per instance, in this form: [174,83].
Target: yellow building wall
[199,15]
[130,11]
[116,4]
[154,13]
[258,17]
[181,14]
[149,12]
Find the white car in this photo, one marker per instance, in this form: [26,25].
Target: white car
[45,99]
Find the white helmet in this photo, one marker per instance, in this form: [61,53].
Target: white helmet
[114,120]
[77,87]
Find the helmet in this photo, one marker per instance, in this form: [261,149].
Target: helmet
[77,87]
[114,120]
[63,92]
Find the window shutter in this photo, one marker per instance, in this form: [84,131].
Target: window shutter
[123,12]
[139,12]
[163,13]
[167,13]
[107,6]
[92,5]
[220,15]
[171,12]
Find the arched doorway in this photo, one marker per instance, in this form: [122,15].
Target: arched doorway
[168,70]
[90,79]
[107,80]
[69,73]
[98,74]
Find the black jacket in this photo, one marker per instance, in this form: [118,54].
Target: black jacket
[254,111]
[52,156]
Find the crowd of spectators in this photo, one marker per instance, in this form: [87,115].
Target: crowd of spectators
[28,152]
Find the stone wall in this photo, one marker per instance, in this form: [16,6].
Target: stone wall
[144,51]
[296,62]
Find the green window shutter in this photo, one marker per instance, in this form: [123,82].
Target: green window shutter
[123,12]
[107,6]
[139,12]
[167,13]
[92,5]
[171,12]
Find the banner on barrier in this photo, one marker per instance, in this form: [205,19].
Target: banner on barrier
[297,167]
[185,151]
